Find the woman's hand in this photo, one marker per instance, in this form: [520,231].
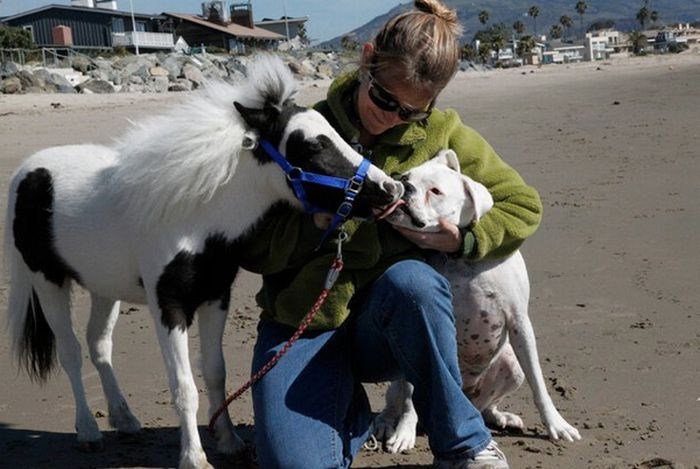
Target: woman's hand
[447,240]
[323,220]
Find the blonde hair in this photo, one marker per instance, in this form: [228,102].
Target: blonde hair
[424,42]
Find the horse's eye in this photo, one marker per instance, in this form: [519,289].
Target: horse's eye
[435,190]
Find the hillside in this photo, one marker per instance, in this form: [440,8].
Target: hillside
[508,11]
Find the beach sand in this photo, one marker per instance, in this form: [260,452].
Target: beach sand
[613,148]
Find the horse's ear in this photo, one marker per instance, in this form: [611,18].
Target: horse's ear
[257,118]
[250,140]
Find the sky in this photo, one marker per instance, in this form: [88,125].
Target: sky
[327,18]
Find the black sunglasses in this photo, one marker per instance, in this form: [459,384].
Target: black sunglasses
[387,102]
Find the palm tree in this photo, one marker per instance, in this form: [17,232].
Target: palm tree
[525,45]
[534,11]
[654,16]
[566,22]
[638,41]
[484,17]
[519,27]
[643,15]
[581,9]
[484,52]
[468,52]
[556,31]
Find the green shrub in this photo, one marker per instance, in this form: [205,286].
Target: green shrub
[15,38]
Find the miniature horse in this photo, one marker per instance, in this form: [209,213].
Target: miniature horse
[158,219]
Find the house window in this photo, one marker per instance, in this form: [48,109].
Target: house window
[117,25]
[30,28]
[141,26]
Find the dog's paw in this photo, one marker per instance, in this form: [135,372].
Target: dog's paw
[383,427]
[404,437]
[500,420]
[558,428]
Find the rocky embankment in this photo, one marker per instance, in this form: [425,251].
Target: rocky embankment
[156,73]
[151,73]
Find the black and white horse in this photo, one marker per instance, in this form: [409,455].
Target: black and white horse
[158,219]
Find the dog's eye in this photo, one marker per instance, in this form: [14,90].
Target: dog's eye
[436,191]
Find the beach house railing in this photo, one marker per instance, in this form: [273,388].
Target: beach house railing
[143,39]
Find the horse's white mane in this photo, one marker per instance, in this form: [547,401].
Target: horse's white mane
[172,163]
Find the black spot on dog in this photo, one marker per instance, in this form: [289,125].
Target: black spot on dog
[474,336]
[191,279]
[495,327]
[32,227]
[484,313]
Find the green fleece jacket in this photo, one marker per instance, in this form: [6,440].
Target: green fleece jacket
[282,247]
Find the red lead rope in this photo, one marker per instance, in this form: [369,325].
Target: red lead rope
[332,276]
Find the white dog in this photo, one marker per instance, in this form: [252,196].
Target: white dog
[494,333]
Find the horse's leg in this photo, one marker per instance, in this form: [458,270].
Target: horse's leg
[173,346]
[212,320]
[55,301]
[103,317]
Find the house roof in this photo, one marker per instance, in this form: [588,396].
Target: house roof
[232,29]
[80,9]
[288,19]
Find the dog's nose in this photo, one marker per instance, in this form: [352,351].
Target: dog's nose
[418,223]
[408,187]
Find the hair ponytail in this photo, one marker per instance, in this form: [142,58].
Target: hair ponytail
[424,42]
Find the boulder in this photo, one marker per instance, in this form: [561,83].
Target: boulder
[326,69]
[181,84]
[55,82]
[173,64]
[96,86]
[11,85]
[193,74]
[158,71]
[159,84]
[8,69]
[81,63]
[30,82]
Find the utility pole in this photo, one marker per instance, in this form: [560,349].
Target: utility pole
[286,19]
[134,39]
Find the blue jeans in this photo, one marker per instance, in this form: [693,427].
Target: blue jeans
[311,410]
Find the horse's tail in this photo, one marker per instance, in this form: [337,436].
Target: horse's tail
[33,341]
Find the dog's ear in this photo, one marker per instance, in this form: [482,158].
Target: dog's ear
[449,158]
[258,119]
[481,201]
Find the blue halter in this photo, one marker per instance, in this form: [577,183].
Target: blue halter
[297,177]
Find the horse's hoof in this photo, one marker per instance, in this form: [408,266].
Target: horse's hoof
[91,446]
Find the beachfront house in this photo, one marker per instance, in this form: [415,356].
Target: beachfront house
[600,45]
[558,52]
[230,29]
[285,26]
[92,24]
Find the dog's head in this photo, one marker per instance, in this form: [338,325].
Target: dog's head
[436,189]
